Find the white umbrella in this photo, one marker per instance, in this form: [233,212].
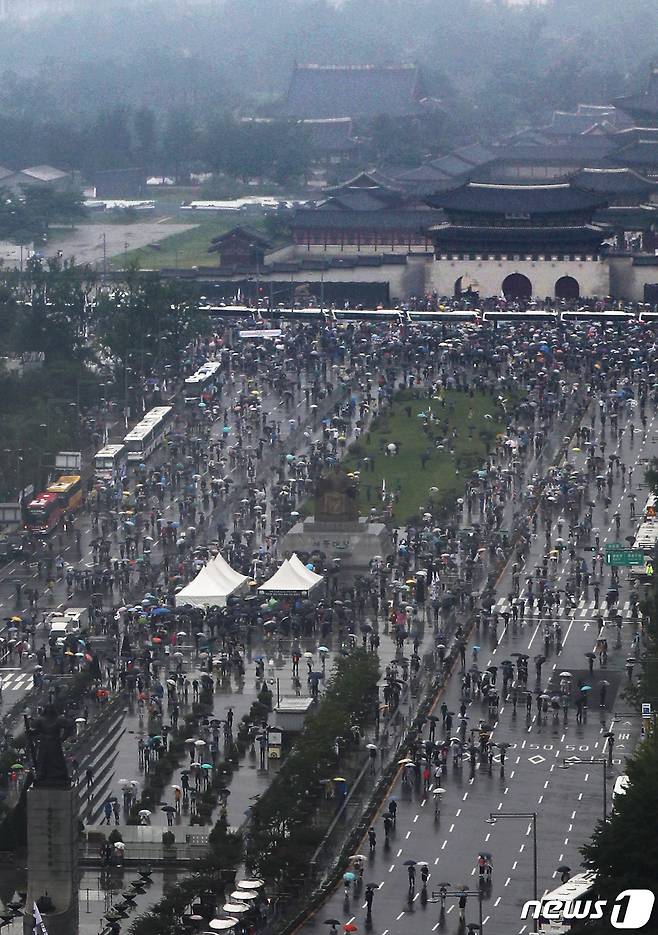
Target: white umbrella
[219,925]
[244,895]
[250,884]
[199,743]
[235,908]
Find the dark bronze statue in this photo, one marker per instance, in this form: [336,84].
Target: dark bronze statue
[44,738]
[337,498]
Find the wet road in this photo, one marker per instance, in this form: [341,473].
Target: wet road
[567,802]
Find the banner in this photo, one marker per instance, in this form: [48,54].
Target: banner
[39,924]
[261,333]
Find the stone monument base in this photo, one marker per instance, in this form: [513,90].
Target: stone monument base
[355,544]
[52,858]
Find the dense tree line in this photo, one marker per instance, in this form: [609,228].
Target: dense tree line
[26,217]
[169,143]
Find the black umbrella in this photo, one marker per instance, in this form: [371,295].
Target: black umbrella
[409,863]
[563,869]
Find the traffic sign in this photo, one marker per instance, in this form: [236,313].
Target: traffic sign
[614,546]
[625,557]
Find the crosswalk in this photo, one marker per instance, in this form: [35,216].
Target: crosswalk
[584,609]
[15,680]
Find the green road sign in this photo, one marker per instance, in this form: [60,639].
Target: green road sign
[614,546]
[625,557]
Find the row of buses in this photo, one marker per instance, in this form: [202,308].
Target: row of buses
[111,463]
[47,509]
[613,317]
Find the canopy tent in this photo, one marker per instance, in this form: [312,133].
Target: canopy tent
[214,583]
[292,578]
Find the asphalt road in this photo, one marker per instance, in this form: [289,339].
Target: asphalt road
[567,803]
[85,242]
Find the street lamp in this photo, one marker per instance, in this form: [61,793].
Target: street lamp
[443,893]
[568,762]
[531,816]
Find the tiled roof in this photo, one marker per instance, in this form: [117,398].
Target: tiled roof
[613,181]
[640,153]
[579,148]
[331,133]
[516,199]
[309,219]
[644,103]
[560,238]
[352,91]
[45,173]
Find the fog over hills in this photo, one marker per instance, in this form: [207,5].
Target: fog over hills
[508,64]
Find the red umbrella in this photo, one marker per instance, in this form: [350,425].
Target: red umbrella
[350,927]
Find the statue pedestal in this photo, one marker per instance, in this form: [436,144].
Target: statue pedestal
[354,543]
[52,858]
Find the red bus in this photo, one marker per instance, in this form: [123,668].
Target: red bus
[45,512]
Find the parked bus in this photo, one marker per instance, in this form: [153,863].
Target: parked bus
[565,906]
[47,509]
[147,435]
[110,464]
[203,382]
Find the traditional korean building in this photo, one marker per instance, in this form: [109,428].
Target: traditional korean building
[358,91]
[239,248]
[519,240]
[369,214]
[642,108]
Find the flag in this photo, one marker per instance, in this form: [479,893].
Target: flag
[39,924]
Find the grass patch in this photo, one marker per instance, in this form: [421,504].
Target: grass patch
[185,250]
[446,468]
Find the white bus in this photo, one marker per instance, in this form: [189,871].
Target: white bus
[204,380]
[620,787]
[110,464]
[563,907]
[145,437]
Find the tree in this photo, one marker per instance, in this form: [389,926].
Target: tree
[146,136]
[56,308]
[179,142]
[624,850]
[148,318]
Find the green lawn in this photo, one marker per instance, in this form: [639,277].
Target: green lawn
[184,250]
[446,469]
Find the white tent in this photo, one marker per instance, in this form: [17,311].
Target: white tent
[214,583]
[293,577]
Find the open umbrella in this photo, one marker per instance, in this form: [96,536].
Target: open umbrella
[250,884]
[243,895]
[220,925]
